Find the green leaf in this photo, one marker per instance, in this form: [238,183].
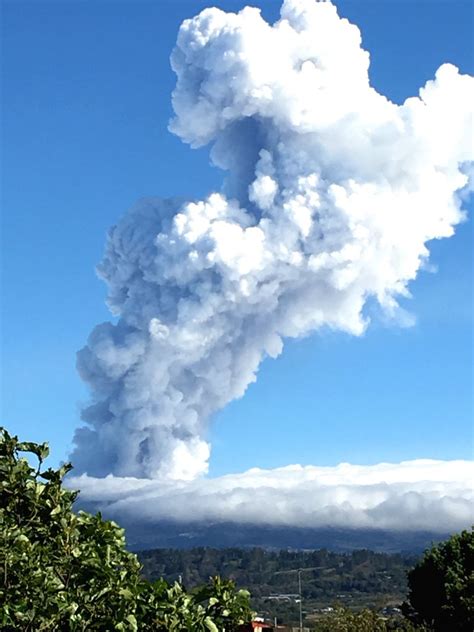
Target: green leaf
[133,622]
[21,538]
[41,450]
[210,625]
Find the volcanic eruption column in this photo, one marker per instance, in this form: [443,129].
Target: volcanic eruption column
[331,193]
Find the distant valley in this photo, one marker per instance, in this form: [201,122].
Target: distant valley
[358,579]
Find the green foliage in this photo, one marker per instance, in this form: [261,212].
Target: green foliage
[441,586]
[71,572]
[214,607]
[343,620]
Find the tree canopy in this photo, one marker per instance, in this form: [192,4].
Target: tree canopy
[68,571]
[441,586]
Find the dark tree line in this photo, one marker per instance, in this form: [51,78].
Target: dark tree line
[263,572]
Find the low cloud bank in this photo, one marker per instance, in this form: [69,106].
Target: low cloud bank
[411,495]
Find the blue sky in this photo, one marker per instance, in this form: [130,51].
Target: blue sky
[86,100]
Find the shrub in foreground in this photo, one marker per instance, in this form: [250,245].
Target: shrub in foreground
[441,586]
[68,571]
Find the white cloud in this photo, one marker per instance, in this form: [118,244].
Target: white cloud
[412,495]
[332,195]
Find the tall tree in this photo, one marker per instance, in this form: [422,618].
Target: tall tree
[441,586]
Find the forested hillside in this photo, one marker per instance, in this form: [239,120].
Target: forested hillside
[359,578]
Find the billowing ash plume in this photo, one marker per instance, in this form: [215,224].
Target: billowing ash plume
[331,196]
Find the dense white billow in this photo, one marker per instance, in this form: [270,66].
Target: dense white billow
[412,495]
[331,196]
